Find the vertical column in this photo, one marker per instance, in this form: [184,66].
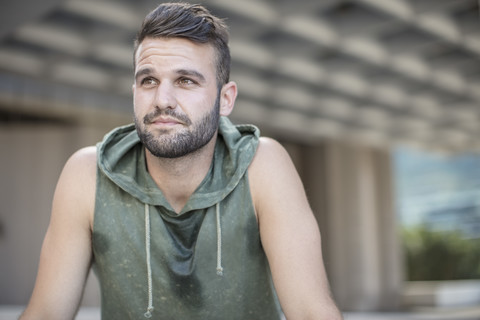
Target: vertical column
[392,276]
[350,191]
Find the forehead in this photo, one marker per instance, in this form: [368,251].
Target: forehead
[168,51]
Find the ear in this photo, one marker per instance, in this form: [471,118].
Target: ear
[228,94]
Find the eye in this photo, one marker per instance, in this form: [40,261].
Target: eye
[149,82]
[186,81]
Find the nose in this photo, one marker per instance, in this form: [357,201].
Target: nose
[165,96]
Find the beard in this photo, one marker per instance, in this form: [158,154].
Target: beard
[183,142]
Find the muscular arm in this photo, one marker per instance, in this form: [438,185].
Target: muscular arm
[66,252]
[290,235]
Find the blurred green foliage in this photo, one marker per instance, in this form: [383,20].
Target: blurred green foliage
[440,255]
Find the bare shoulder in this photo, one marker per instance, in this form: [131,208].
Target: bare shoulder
[76,185]
[85,157]
[270,156]
[81,165]
[272,175]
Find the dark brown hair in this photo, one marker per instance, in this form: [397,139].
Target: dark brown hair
[192,22]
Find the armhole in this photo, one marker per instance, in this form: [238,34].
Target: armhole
[249,183]
[95,200]
[250,196]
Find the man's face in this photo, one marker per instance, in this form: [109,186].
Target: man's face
[176,98]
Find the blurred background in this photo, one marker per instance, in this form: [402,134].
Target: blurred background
[377,101]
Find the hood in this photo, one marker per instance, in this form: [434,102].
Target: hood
[121,157]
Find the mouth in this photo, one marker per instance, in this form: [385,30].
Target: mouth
[170,121]
[164,121]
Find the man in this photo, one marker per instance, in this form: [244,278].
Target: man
[183,215]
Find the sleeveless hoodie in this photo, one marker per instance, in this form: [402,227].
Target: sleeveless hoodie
[205,262]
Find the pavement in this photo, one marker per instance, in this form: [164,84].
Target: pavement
[467,313]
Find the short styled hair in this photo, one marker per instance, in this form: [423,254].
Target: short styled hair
[193,22]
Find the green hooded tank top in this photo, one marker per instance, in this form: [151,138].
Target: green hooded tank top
[205,263]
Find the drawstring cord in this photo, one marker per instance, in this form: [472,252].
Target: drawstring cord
[148,314]
[219,241]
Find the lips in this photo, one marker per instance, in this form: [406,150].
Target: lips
[167,121]
[166,117]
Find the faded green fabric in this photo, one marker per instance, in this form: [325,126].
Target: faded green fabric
[183,246]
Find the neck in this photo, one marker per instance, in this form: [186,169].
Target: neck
[179,177]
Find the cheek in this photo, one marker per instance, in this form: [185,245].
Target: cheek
[141,100]
[199,107]
[136,104]
[204,102]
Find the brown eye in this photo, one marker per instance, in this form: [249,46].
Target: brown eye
[149,82]
[186,81]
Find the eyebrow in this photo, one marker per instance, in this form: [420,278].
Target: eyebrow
[142,72]
[191,73]
[182,72]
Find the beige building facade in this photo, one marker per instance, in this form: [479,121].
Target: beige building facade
[341,83]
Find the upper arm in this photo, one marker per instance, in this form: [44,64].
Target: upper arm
[66,252]
[289,235]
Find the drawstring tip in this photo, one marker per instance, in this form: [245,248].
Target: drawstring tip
[220,271]
[148,314]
